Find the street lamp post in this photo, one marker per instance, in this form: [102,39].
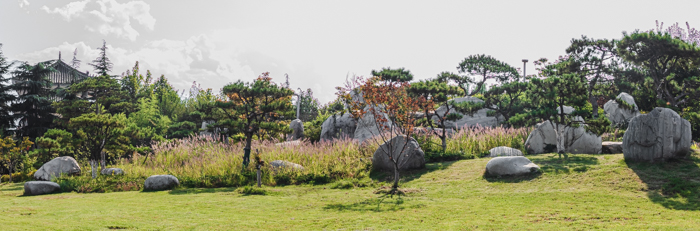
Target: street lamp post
[524,65]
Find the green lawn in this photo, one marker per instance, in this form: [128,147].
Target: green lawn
[580,193]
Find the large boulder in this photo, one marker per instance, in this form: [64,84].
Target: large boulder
[617,114]
[32,188]
[160,182]
[576,140]
[64,165]
[542,140]
[112,171]
[297,130]
[504,151]
[367,126]
[511,166]
[659,135]
[338,127]
[480,118]
[283,164]
[412,156]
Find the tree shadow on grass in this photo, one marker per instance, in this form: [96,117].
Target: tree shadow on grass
[184,191]
[674,184]
[409,175]
[382,203]
[551,164]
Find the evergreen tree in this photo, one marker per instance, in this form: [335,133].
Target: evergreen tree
[6,96]
[599,62]
[33,108]
[255,107]
[393,75]
[101,64]
[437,94]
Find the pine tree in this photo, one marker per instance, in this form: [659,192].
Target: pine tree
[102,64]
[6,96]
[33,106]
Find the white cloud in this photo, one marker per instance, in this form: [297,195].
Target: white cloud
[108,16]
[23,3]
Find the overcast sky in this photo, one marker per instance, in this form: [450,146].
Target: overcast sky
[317,43]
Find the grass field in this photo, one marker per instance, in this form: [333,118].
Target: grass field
[579,193]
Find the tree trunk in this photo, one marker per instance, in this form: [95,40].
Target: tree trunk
[9,169]
[246,150]
[444,139]
[594,103]
[396,176]
[259,177]
[561,146]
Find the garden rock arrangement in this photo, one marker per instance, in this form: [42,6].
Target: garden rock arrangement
[576,140]
[504,151]
[411,158]
[657,136]
[282,164]
[511,166]
[480,118]
[65,165]
[160,182]
[612,147]
[336,127]
[367,127]
[112,171]
[297,130]
[617,114]
[33,188]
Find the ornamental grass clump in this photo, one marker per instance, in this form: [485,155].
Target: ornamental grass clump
[472,142]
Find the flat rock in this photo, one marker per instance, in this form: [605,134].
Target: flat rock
[64,165]
[617,115]
[33,188]
[612,147]
[410,156]
[504,151]
[480,118]
[338,127]
[511,166]
[160,182]
[658,135]
[112,171]
[283,164]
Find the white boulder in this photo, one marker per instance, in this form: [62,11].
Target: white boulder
[504,151]
[576,140]
[283,164]
[338,127]
[367,126]
[112,171]
[510,166]
[64,165]
[659,135]
[297,130]
[618,115]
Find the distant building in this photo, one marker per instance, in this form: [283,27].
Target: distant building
[64,76]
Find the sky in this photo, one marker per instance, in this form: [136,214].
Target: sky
[317,44]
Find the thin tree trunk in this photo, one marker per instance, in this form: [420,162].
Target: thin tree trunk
[594,103]
[259,177]
[396,176]
[246,150]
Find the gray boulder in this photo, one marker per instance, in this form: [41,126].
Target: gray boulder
[542,140]
[412,156]
[567,110]
[659,135]
[504,151]
[617,115]
[367,126]
[297,130]
[64,165]
[576,140]
[282,164]
[480,118]
[160,182]
[112,171]
[33,188]
[511,166]
[289,143]
[338,127]
[612,147]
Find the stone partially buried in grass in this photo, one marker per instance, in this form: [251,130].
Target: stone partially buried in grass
[160,182]
[282,164]
[511,166]
[65,165]
[33,188]
[112,171]
[504,151]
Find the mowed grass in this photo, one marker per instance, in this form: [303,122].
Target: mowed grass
[581,192]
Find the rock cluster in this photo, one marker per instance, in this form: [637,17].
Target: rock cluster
[618,115]
[480,118]
[64,165]
[659,135]
[576,140]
